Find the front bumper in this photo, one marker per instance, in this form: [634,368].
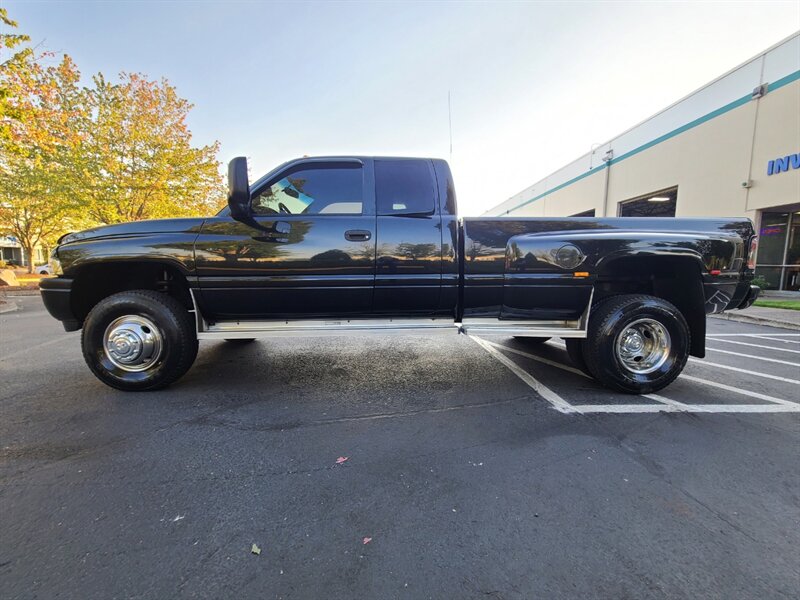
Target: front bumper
[56,295]
[752,296]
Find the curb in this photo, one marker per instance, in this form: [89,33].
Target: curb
[729,316]
[8,307]
[10,292]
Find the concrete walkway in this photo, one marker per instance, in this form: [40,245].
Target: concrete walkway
[772,317]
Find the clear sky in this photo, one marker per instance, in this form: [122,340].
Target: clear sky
[533,85]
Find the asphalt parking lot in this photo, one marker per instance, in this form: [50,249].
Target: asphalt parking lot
[474,469]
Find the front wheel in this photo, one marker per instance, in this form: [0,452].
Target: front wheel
[139,340]
[636,344]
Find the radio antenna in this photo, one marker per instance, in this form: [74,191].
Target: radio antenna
[450,124]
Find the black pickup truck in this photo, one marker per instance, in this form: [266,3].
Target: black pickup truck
[343,245]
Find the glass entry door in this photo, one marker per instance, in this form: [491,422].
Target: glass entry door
[778,259]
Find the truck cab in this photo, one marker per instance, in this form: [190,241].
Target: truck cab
[334,237]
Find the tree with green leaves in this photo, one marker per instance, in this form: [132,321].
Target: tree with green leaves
[73,156]
[137,159]
[40,103]
[12,56]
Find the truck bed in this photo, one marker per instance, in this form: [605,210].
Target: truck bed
[507,273]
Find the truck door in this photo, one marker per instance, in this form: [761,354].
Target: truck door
[409,229]
[309,250]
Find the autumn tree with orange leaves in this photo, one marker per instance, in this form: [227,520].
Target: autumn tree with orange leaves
[40,105]
[137,157]
[72,156]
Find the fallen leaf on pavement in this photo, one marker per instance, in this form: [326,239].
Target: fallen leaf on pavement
[255,549]
[342,459]
[367,540]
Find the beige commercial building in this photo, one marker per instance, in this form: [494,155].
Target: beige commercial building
[732,148]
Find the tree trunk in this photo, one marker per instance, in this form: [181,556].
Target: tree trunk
[28,250]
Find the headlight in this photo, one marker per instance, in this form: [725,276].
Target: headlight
[55,264]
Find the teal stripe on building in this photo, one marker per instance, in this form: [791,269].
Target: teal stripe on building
[783,81]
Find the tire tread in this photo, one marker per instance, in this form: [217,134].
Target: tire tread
[188,344]
[602,315]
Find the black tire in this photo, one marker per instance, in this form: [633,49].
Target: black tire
[174,329]
[531,340]
[576,346]
[240,341]
[614,316]
[575,352]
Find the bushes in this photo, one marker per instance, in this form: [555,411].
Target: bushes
[761,282]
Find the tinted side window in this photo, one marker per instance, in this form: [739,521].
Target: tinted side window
[404,187]
[334,189]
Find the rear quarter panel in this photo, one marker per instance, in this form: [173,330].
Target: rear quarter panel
[509,271]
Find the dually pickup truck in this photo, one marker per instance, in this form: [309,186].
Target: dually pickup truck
[352,245]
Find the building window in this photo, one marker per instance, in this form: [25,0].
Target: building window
[656,204]
[586,213]
[778,259]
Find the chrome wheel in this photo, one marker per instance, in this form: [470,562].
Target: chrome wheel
[133,343]
[643,346]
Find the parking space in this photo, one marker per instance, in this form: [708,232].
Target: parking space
[394,467]
[747,369]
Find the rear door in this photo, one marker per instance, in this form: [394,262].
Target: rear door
[409,251]
[308,252]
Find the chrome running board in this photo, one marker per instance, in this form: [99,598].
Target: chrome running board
[563,329]
[227,330]
[245,328]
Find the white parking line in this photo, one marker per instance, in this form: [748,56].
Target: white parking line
[764,337]
[776,405]
[658,398]
[545,392]
[541,359]
[673,403]
[708,382]
[752,334]
[564,367]
[745,371]
[694,408]
[754,357]
[727,341]
[735,390]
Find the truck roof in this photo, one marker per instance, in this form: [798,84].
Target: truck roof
[357,157]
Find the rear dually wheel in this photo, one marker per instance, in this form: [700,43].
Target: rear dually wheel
[636,344]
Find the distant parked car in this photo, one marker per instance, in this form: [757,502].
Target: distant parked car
[43,270]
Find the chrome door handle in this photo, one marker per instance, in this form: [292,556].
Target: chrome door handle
[358,235]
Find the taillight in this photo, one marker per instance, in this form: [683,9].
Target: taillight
[751,254]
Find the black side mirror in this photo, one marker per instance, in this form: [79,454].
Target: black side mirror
[238,188]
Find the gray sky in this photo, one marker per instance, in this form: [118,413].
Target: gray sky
[533,84]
